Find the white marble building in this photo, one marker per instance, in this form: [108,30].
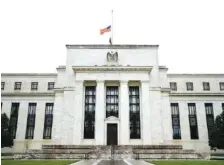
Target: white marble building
[111,94]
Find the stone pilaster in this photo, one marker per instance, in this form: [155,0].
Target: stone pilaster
[40,115]
[166,119]
[155,107]
[77,110]
[22,120]
[145,113]
[184,121]
[124,113]
[100,113]
[57,117]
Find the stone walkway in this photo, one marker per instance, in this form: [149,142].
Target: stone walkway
[111,162]
[87,162]
[137,162]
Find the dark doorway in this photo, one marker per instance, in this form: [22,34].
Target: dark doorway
[111,134]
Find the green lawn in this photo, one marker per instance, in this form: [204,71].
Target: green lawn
[187,162]
[37,162]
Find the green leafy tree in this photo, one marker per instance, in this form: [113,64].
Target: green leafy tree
[7,139]
[216,138]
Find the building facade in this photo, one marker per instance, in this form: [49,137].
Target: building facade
[111,95]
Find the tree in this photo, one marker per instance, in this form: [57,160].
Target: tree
[216,138]
[7,139]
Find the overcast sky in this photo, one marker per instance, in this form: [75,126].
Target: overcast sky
[190,33]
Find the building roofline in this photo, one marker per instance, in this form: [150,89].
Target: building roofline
[29,74]
[111,46]
[195,74]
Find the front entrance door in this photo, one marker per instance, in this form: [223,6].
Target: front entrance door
[111,134]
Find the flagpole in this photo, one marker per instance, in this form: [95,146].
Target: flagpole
[112,28]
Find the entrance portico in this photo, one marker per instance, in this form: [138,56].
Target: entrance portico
[112,90]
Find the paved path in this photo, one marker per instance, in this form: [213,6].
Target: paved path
[111,162]
[87,162]
[137,162]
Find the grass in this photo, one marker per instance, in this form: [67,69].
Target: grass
[187,162]
[37,162]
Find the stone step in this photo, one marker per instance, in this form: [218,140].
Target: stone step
[169,156]
[117,152]
[157,147]
[149,151]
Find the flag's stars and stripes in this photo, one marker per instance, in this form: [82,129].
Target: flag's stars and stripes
[107,29]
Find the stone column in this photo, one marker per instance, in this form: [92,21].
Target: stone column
[100,113]
[124,113]
[145,113]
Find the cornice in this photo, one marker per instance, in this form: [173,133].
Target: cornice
[110,68]
[69,88]
[163,68]
[36,94]
[197,94]
[155,88]
[111,46]
[30,74]
[194,75]
[165,90]
[61,67]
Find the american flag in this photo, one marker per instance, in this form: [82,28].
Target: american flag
[107,29]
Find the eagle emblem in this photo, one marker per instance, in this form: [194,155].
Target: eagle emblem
[111,56]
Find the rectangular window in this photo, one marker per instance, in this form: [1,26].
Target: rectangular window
[222,106]
[2,85]
[48,121]
[193,120]
[209,117]
[206,86]
[134,112]
[175,121]
[34,86]
[112,101]
[17,86]
[89,121]
[31,120]
[221,84]
[50,85]
[173,86]
[14,118]
[190,86]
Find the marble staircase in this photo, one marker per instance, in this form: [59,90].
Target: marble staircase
[164,152]
[112,152]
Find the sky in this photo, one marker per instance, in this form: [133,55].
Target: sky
[190,33]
